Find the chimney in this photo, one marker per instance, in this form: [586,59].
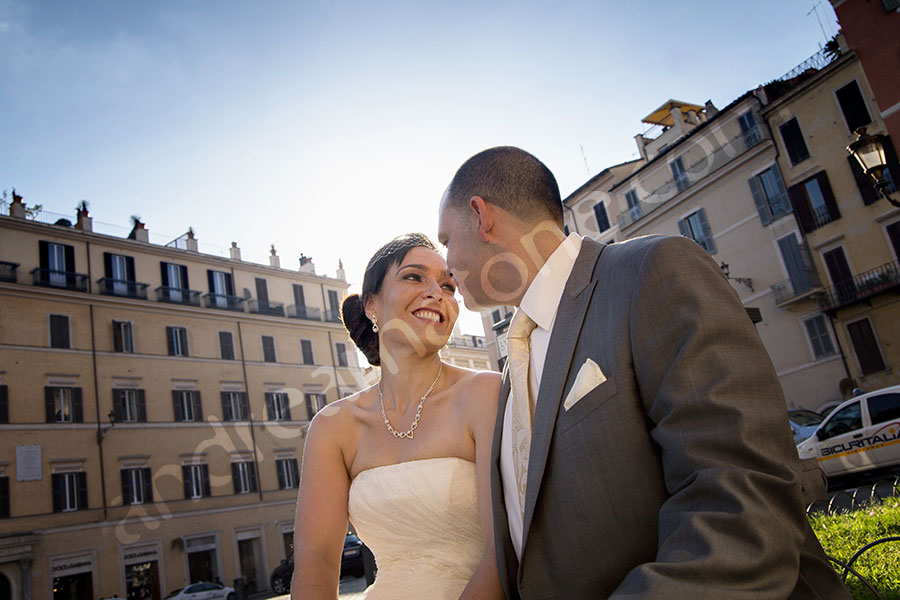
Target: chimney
[340,271]
[85,222]
[274,261]
[235,251]
[641,142]
[191,241]
[139,231]
[710,110]
[306,264]
[17,208]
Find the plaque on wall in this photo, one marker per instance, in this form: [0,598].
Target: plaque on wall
[28,463]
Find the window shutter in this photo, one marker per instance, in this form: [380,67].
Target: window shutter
[211,280]
[759,198]
[198,406]
[148,485]
[204,471]
[117,336]
[49,405]
[262,291]
[141,406]
[245,407]
[81,481]
[186,478]
[44,250]
[684,229]
[70,258]
[58,492]
[4,497]
[170,340]
[177,409]
[236,478]
[129,268]
[226,408]
[310,409]
[77,412]
[251,470]
[279,464]
[184,277]
[118,405]
[164,273]
[107,264]
[4,404]
[299,300]
[296,471]
[270,408]
[126,486]
[708,243]
[802,212]
[890,157]
[286,407]
[782,205]
[229,286]
[863,182]
[828,195]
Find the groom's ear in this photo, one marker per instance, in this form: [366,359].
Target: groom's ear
[484,216]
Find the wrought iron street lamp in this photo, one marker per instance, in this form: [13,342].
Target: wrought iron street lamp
[868,150]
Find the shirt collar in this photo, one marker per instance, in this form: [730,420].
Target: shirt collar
[542,297]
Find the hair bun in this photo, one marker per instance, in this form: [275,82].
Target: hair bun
[360,328]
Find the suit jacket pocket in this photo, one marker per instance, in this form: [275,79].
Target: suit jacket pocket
[591,401]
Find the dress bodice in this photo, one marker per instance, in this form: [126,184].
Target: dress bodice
[420,519]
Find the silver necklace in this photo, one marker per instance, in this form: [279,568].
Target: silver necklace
[410,433]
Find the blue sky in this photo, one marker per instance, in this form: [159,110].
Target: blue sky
[328,128]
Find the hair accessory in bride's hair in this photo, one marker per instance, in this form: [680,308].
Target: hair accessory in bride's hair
[411,432]
[409,240]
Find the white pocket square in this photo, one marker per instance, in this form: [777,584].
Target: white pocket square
[589,376]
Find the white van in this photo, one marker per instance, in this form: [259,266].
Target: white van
[860,434]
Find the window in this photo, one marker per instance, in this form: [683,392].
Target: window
[853,106]
[268,347]
[57,264]
[866,346]
[196,481]
[341,354]
[187,406]
[796,262]
[749,130]
[122,337]
[634,206]
[177,340]
[885,407]
[63,405]
[844,421]
[137,487]
[119,271]
[314,403]
[819,337]
[130,406]
[221,289]
[893,231]
[566,229]
[679,173]
[244,476]
[235,406]
[226,345]
[334,307]
[4,497]
[299,299]
[4,404]
[840,274]
[59,331]
[602,217]
[306,351]
[696,227]
[793,141]
[770,195]
[174,279]
[813,202]
[69,491]
[288,474]
[495,316]
[277,406]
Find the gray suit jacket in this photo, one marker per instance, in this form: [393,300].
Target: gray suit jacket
[676,477]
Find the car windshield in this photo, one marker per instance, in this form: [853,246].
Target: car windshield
[805,417]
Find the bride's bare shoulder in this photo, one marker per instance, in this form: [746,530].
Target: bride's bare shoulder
[342,415]
[479,385]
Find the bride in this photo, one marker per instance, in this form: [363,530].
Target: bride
[407,460]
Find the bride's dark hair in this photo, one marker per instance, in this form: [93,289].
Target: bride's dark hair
[353,310]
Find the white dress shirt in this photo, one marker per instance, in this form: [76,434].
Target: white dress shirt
[540,303]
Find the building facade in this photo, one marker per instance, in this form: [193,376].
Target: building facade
[153,406]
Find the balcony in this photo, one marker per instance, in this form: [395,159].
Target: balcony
[299,311]
[223,301]
[60,279]
[862,287]
[694,174]
[8,271]
[468,341]
[266,307]
[175,295]
[792,290]
[124,288]
[333,316]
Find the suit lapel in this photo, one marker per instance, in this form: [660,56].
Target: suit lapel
[506,554]
[566,329]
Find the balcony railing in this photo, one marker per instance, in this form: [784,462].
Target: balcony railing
[333,316]
[468,341]
[223,301]
[299,311]
[790,290]
[121,287]
[8,271]
[822,216]
[60,279]
[698,171]
[266,307]
[861,287]
[175,295]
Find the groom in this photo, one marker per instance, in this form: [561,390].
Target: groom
[641,448]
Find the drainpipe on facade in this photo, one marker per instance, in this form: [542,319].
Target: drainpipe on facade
[837,340]
[97,392]
[250,415]
[574,219]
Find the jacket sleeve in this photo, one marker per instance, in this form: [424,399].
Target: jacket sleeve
[734,523]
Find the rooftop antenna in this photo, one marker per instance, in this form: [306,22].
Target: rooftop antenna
[815,9]
[584,156]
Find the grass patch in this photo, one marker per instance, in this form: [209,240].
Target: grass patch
[843,535]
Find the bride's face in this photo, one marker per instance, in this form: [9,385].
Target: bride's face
[417,303]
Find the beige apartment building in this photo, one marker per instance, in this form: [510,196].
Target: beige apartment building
[852,233]
[153,406]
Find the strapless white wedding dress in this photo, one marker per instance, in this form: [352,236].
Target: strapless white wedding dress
[420,519]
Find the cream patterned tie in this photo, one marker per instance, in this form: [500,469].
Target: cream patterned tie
[519,348]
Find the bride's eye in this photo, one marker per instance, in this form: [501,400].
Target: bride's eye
[413,277]
[450,288]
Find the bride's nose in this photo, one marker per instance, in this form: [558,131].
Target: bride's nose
[433,290]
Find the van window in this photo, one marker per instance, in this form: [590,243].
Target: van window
[885,407]
[843,421]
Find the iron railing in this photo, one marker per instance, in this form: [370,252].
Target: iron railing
[300,311]
[266,307]
[223,301]
[122,287]
[8,271]
[175,295]
[333,316]
[802,284]
[60,279]
[467,341]
[862,286]
[709,164]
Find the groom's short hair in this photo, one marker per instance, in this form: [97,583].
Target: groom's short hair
[512,179]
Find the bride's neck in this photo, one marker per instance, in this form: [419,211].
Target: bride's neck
[405,376]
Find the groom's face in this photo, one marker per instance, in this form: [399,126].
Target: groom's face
[467,254]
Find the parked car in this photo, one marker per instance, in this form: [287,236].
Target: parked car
[862,433]
[803,423]
[202,590]
[351,564]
